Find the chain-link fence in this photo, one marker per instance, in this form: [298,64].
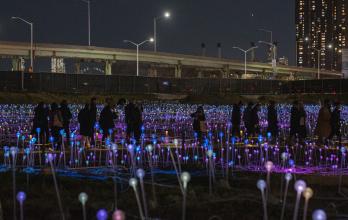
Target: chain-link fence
[112,84]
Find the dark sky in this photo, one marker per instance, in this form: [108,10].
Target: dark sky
[231,22]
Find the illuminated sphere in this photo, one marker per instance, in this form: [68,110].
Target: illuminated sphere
[21,196]
[102,214]
[50,157]
[319,214]
[83,197]
[288,177]
[149,148]
[261,185]
[118,215]
[13,151]
[269,166]
[284,156]
[209,153]
[308,193]
[185,177]
[140,173]
[176,142]
[133,182]
[300,186]
[343,150]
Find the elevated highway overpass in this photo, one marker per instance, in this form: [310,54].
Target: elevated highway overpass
[177,63]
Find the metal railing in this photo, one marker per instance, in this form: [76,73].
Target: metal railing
[120,84]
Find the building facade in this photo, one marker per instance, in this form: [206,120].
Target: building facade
[321,33]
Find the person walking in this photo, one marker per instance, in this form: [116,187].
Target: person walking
[66,115]
[255,122]
[129,112]
[247,118]
[272,119]
[56,122]
[199,126]
[86,125]
[236,119]
[336,122]
[302,119]
[93,115]
[138,122]
[323,128]
[294,120]
[107,117]
[40,122]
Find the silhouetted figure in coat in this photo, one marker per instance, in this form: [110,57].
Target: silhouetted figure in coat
[272,119]
[294,119]
[129,112]
[302,118]
[56,122]
[323,128]
[336,122]
[138,122]
[93,115]
[255,126]
[86,125]
[106,119]
[199,125]
[247,118]
[236,119]
[66,115]
[40,121]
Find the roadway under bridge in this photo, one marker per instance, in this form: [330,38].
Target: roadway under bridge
[113,61]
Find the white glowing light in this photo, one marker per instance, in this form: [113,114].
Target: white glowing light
[300,186]
[83,197]
[140,173]
[261,185]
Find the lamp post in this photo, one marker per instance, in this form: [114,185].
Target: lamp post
[89,20]
[273,47]
[267,31]
[245,57]
[31,24]
[165,15]
[137,46]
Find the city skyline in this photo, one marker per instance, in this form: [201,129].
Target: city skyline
[231,24]
[321,33]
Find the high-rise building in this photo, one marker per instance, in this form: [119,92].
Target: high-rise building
[321,31]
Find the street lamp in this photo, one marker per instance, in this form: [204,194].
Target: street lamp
[267,31]
[166,15]
[245,57]
[89,20]
[137,46]
[273,47]
[31,24]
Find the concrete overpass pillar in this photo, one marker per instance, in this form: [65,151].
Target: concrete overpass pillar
[178,71]
[78,67]
[108,67]
[225,72]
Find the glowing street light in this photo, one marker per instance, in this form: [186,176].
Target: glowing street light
[166,15]
[31,24]
[137,46]
[245,57]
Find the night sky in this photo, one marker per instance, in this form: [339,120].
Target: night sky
[231,22]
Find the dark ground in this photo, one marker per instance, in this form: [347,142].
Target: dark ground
[242,200]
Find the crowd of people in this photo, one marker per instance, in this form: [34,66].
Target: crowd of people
[52,123]
[328,123]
